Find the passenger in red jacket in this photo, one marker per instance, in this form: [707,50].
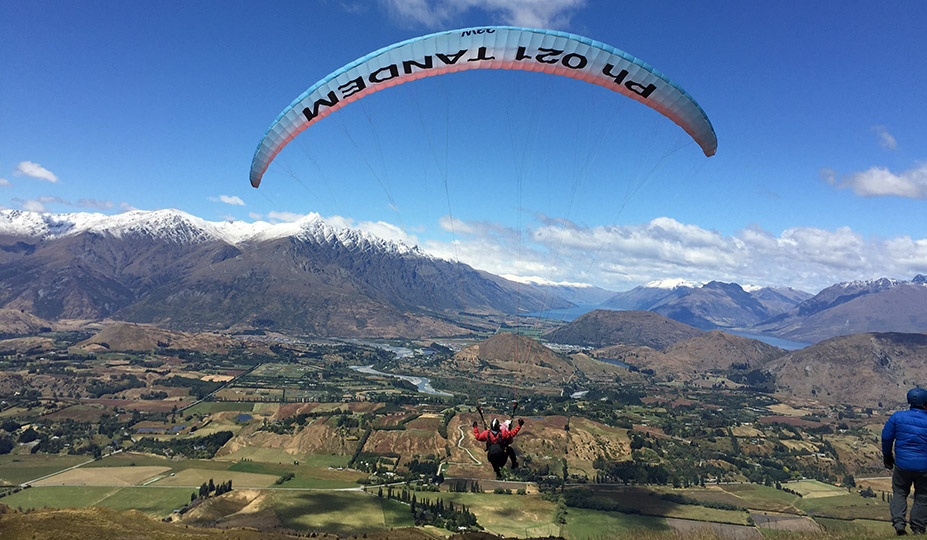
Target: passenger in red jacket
[498,444]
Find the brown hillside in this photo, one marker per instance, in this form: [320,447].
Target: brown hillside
[315,438]
[27,345]
[137,337]
[708,351]
[861,369]
[601,328]
[505,355]
[715,350]
[546,440]
[14,321]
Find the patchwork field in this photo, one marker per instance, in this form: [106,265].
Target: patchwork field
[694,529]
[343,513]
[154,501]
[585,524]
[759,497]
[785,522]
[18,469]
[507,515]
[103,476]
[195,477]
[812,489]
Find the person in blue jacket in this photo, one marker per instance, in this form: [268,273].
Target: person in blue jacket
[906,431]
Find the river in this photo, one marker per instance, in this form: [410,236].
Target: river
[422,384]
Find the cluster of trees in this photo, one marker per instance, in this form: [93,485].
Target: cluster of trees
[114,385]
[194,447]
[434,512]
[284,478]
[464,486]
[198,388]
[210,488]
[678,498]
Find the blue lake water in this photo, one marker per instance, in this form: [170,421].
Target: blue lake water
[565,314]
[614,362]
[771,340]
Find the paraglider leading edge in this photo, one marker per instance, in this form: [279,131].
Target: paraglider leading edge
[491,47]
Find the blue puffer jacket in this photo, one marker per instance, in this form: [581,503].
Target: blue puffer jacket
[908,431]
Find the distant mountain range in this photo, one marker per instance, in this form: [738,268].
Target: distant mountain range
[879,305]
[709,306]
[178,271]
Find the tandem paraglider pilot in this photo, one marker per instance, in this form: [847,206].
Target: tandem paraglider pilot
[904,452]
[498,439]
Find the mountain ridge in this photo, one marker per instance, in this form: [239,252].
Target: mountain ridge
[175,270]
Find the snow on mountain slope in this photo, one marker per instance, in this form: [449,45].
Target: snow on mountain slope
[180,227]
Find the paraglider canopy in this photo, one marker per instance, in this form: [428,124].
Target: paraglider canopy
[491,47]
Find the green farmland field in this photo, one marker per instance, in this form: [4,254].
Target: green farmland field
[209,407]
[585,524]
[342,513]
[151,500]
[17,469]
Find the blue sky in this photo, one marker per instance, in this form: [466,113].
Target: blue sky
[819,107]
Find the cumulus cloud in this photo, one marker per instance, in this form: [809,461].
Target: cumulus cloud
[40,204]
[381,229]
[886,139]
[284,217]
[32,205]
[622,257]
[881,182]
[234,200]
[4,182]
[34,170]
[529,13]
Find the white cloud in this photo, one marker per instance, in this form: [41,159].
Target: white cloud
[33,206]
[34,170]
[381,229]
[622,257]
[387,231]
[881,182]
[40,204]
[886,139]
[529,13]
[234,200]
[255,216]
[288,217]
[95,204]
[4,182]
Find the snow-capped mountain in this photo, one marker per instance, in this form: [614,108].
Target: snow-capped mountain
[710,305]
[878,305]
[177,270]
[576,293]
[180,227]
